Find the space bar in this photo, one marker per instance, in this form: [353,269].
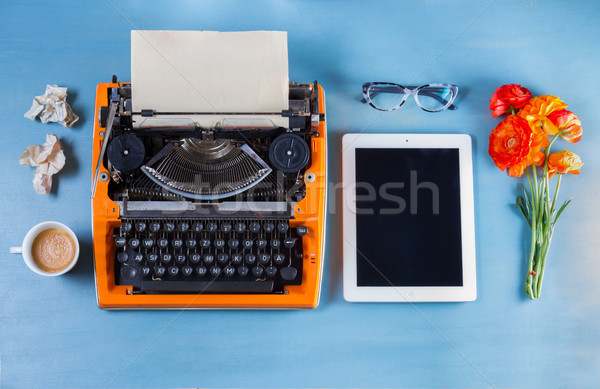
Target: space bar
[207,286]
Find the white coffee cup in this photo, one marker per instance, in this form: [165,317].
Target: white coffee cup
[26,248]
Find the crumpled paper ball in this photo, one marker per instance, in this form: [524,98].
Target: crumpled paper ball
[49,159]
[52,107]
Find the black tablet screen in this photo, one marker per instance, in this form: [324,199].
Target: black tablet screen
[408,217]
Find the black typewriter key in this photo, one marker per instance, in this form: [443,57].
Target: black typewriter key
[148,243]
[268,227]
[264,258]
[247,243]
[120,241]
[254,227]
[154,227]
[138,257]
[279,258]
[229,271]
[145,270]
[183,226]
[289,242]
[190,243]
[173,271]
[140,226]
[283,227]
[219,243]
[250,259]
[271,271]
[226,227]
[208,258]
[126,227]
[301,230]
[222,258]
[288,273]
[162,243]
[187,271]
[233,243]
[134,243]
[204,243]
[215,271]
[261,243]
[122,257]
[169,227]
[180,258]
[128,272]
[151,257]
[237,259]
[275,243]
[240,227]
[242,271]
[166,257]
[257,271]
[197,227]
[177,243]
[211,227]
[195,258]
[201,271]
[159,270]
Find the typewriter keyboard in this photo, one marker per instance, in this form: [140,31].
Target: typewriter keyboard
[208,256]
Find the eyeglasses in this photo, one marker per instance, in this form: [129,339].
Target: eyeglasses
[387,96]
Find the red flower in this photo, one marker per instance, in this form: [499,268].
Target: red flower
[568,125]
[513,146]
[508,95]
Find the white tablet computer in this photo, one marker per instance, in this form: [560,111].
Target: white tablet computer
[409,232]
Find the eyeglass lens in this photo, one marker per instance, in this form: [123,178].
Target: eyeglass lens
[434,98]
[386,97]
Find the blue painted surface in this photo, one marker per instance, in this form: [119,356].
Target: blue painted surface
[53,335]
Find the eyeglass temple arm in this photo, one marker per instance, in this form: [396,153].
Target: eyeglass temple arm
[375,91]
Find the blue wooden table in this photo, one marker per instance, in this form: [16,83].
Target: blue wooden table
[52,335]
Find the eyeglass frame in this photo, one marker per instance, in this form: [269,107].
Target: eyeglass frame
[411,90]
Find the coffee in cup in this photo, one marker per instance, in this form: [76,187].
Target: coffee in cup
[53,250]
[49,249]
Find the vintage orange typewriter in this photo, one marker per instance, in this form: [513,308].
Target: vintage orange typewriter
[204,196]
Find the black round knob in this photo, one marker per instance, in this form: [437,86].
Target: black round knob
[126,152]
[289,153]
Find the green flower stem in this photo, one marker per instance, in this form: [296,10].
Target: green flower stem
[529,280]
[539,195]
[540,279]
[548,241]
[546,226]
[556,194]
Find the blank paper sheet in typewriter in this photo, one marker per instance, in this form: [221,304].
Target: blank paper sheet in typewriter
[211,72]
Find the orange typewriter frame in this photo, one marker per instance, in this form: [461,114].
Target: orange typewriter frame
[310,212]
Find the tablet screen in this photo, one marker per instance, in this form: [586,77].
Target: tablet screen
[408,225]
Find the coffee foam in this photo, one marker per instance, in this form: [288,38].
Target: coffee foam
[53,250]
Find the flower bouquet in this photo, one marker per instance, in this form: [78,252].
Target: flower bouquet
[521,143]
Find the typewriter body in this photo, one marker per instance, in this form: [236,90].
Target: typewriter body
[188,217]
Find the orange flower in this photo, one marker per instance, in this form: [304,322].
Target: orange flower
[563,162]
[508,95]
[514,146]
[536,113]
[568,125]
